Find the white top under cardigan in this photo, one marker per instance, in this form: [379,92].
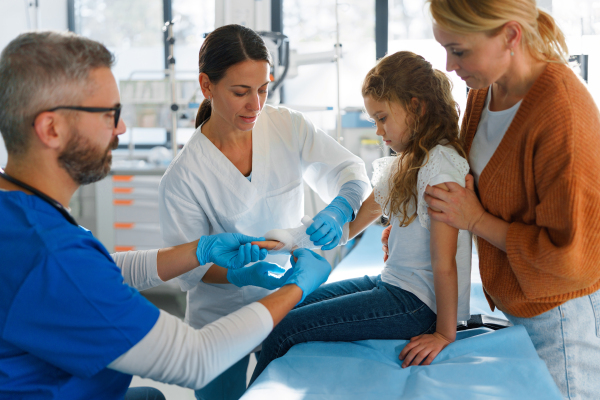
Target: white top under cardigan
[409,262]
[175,353]
[490,132]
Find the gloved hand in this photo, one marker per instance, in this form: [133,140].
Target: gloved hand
[261,274]
[229,250]
[310,271]
[326,230]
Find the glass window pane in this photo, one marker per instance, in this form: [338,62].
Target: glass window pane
[580,22]
[409,19]
[193,19]
[132,30]
[410,30]
[311,27]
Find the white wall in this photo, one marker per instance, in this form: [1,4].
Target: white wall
[13,21]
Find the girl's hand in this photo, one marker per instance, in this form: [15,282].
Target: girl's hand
[384,241]
[458,207]
[422,349]
[268,244]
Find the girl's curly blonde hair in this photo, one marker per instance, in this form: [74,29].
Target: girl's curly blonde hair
[433,120]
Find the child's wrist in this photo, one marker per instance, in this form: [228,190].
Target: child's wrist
[443,337]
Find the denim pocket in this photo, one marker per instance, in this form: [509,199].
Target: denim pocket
[595,299]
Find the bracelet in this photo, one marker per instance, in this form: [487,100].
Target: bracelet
[472,228]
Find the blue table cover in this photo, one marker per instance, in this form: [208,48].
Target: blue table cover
[490,365]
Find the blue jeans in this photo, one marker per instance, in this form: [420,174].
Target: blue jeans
[354,309]
[144,393]
[230,385]
[567,338]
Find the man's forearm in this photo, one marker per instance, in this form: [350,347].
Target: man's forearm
[177,260]
[282,301]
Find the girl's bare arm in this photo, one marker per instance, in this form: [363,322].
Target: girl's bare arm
[369,212]
[443,243]
[424,348]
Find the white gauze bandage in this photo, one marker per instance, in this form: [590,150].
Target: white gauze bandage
[291,239]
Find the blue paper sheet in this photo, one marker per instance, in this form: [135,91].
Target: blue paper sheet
[490,365]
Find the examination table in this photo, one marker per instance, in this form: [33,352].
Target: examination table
[482,364]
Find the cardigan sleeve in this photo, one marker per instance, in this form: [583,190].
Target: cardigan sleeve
[562,248]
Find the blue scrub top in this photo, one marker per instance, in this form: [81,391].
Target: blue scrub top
[65,313]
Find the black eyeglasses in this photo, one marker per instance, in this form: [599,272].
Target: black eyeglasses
[116,109]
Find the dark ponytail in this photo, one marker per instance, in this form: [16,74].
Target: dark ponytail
[223,48]
[203,112]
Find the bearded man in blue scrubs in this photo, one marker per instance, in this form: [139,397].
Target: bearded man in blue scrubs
[71,325]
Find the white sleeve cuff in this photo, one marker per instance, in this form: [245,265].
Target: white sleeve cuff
[139,268]
[190,279]
[263,314]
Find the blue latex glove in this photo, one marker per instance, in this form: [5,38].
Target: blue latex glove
[310,271]
[229,250]
[262,274]
[326,230]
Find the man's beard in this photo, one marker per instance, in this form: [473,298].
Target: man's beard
[84,163]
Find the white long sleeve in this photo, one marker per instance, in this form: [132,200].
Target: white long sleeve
[173,352]
[326,165]
[139,268]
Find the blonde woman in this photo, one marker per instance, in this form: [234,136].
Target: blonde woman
[424,287]
[532,135]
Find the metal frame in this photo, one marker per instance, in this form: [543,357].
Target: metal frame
[582,60]
[71,15]
[381,28]
[167,17]
[277,26]
[277,16]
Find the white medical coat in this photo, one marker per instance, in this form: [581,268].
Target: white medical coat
[203,193]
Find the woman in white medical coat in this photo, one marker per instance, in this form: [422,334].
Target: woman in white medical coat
[244,170]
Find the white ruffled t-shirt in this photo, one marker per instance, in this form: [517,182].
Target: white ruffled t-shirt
[409,262]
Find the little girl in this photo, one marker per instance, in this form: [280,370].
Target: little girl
[423,290]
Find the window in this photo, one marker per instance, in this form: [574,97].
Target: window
[130,29]
[580,22]
[410,30]
[193,19]
[311,28]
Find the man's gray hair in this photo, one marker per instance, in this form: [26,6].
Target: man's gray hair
[39,71]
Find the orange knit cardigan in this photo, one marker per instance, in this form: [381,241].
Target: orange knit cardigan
[544,179]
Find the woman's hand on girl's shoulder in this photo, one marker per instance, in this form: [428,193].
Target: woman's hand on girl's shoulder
[423,349]
[457,206]
[385,236]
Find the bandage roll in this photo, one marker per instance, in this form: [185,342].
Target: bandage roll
[291,239]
